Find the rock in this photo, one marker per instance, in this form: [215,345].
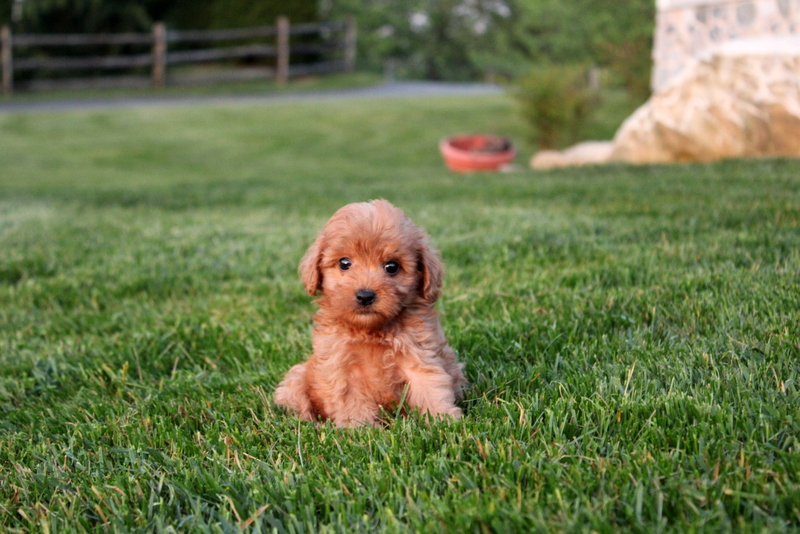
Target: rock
[587,153]
[740,100]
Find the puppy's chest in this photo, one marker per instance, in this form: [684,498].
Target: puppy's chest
[371,358]
[373,368]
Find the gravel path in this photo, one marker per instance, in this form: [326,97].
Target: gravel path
[394,90]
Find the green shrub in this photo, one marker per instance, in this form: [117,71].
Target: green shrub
[556,101]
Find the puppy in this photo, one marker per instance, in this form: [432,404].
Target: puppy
[377,338]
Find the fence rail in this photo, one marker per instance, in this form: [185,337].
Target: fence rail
[72,39]
[278,48]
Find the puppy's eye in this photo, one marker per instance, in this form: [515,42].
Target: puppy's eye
[345,264]
[391,267]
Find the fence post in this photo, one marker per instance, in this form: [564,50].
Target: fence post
[5,59]
[282,71]
[159,55]
[350,44]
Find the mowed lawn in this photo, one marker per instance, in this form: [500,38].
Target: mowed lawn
[630,333]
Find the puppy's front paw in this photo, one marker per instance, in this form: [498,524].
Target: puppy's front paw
[353,423]
[455,412]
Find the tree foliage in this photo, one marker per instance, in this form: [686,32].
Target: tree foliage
[5,11]
[219,14]
[622,40]
[434,39]
[474,39]
[91,16]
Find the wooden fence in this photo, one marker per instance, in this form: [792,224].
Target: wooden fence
[333,41]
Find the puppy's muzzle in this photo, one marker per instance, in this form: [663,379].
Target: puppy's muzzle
[365,297]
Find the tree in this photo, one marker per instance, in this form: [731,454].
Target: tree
[6,7]
[434,39]
[90,16]
[473,39]
[219,14]
[622,40]
[97,16]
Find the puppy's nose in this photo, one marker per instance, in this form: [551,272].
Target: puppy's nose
[365,297]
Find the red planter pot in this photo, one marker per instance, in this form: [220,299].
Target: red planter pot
[466,153]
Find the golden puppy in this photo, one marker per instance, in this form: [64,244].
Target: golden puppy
[377,335]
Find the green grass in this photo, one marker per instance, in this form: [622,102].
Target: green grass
[247,87]
[630,333]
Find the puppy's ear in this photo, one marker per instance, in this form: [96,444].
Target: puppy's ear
[309,269]
[432,270]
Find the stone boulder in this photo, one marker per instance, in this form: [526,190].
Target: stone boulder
[740,100]
[586,153]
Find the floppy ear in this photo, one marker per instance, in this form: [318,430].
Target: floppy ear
[309,269]
[432,270]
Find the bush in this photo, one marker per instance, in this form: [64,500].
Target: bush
[556,101]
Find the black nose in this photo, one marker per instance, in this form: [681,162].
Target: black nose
[365,297]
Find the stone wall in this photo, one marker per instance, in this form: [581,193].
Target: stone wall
[688,28]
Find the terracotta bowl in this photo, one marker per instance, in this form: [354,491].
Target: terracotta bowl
[466,153]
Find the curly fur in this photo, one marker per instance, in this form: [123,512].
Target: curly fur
[366,357]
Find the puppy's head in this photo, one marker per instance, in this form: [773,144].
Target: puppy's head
[369,263]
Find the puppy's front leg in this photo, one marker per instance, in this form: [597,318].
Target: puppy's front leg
[356,418]
[430,390]
[341,394]
[292,393]
[353,408]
